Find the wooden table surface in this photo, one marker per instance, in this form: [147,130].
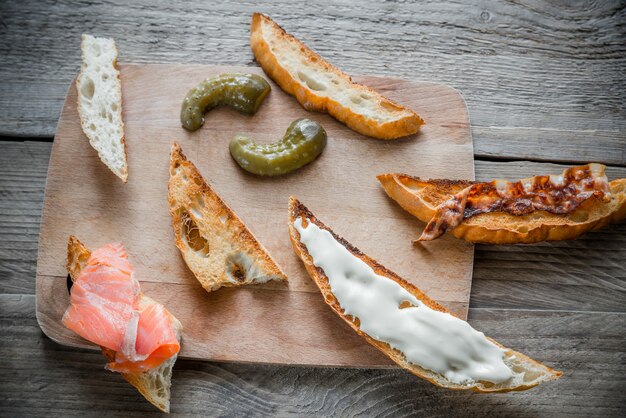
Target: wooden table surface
[545,83]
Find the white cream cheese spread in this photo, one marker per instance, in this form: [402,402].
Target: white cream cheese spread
[434,340]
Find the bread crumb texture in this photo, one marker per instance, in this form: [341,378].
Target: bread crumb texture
[100,102]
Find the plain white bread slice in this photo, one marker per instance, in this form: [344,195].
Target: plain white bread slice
[526,372]
[100,102]
[320,86]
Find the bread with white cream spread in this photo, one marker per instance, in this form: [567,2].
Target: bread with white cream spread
[401,321]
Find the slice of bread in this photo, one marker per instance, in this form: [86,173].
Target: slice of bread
[216,245]
[153,384]
[322,87]
[526,373]
[100,102]
[421,198]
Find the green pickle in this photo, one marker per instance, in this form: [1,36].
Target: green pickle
[242,92]
[304,140]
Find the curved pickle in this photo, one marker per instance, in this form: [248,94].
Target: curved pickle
[304,140]
[242,92]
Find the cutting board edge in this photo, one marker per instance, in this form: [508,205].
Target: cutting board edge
[39,276]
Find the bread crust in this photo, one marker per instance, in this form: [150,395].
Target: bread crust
[407,125]
[225,234]
[420,198]
[123,174]
[297,209]
[152,384]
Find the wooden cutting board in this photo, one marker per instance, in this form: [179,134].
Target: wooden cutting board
[272,323]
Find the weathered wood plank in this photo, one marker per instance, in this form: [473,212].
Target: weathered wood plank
[542,81]
[515,170]
[23,169]
[42,376]
[585,274]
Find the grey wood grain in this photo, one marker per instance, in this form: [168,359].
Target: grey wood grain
[543,81]
[23,169]
[43,376]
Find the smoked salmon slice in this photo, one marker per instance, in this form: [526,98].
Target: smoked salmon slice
[108,309]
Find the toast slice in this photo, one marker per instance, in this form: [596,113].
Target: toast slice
[100,102]
[216,245]
[322,87]
[525,372]
[153,384]
[422,197]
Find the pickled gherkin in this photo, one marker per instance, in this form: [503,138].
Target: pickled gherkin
[242,92]
[304,140]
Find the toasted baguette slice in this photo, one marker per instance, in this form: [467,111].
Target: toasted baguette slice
[100,102]
[527,373]
[153,384]
[216,245]
[421,198]
[320,86]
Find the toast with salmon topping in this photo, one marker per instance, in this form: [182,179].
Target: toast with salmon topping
[153,383]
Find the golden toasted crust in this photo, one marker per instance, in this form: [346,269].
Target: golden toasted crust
[153,384]
[296,209]
[216,245]
[421,197]
[268,41]
[77,257]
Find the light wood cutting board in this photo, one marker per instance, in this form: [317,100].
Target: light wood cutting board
[271,323]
